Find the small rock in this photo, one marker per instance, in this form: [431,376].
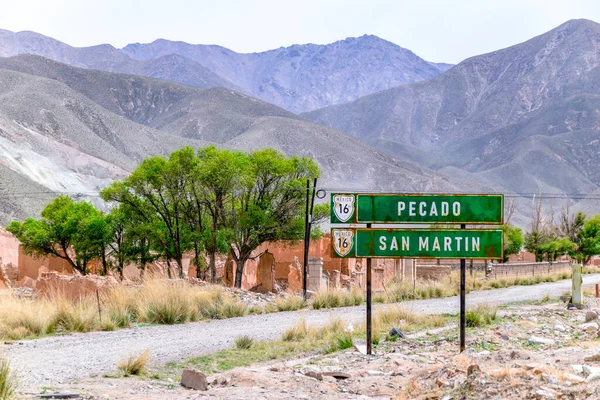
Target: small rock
[442,382]
[532,319]
[473,369]
[312,373]
[375,373]
[540,340]
[361,348]
[591,315]
[542,394]
[559,328]
[397,332]
[193,379]
[587,370]
[551,379]
[578,368]
[595,357]
[593,377]
[589,326]
[567,383]
[337,374]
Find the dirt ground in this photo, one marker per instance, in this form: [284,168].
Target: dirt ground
[531,351]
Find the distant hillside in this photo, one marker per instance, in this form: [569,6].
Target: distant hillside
[67,129]
[306,77]
[298,78]
[522,119]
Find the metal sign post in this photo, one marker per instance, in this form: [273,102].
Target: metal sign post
[369,305]
[463,284]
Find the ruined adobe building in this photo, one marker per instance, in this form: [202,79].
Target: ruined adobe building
[273,267]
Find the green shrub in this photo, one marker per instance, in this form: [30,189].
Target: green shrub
[134,365]
[243,342]
[482,315]
[8,381]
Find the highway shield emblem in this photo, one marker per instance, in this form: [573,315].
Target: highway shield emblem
[343,241]
[343,207]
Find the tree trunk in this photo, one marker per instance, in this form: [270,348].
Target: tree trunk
[212,267]
[179,262]
[169,269]
[104,264]
[239,270]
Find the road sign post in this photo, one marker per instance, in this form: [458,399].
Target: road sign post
[369,306]
[484,244]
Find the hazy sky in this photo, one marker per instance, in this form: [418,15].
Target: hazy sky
[443,31]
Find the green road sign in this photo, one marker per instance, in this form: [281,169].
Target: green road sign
[417,243]
[417,208]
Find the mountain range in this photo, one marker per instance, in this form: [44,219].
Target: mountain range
[298,78]
[524,119]
[69,129]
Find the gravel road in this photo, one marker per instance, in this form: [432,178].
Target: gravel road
[60,359]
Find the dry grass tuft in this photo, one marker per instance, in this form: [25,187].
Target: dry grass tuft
[331,298]
[8,381]
[482,315]
[289,303]
[134,365]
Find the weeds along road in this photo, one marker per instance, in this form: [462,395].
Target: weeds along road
[54,360]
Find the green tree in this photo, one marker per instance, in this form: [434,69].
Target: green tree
[220,173]
[556,247]
[268,203]
[66,230]
[154,193]
[513,240]
[590,240]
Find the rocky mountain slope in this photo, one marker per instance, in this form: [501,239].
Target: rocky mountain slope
[298,78]
[306,77]
[67,129]
[523,119]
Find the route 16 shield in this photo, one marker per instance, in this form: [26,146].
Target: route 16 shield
[343,241]
[343,206]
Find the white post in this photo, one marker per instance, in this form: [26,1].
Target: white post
[577,284]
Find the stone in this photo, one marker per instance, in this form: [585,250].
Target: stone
[194,379]
[397,332]
[551,379]
[593,377]
[473,369]
[589,326]
[540,341]
[587,370]
[361,348]
[578,368]
[591,316]
[312,373]
[338,374]
[442,382]
[543,394]
[375,373]
[560,328]
[594,358]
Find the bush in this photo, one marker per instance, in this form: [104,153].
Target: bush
[163,303]
[80,316]
[289,303]
[8,380]
[482,315]
[295,333]
[243,342]
[134,365]
[326,298]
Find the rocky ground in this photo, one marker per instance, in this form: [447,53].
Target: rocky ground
[531,351]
